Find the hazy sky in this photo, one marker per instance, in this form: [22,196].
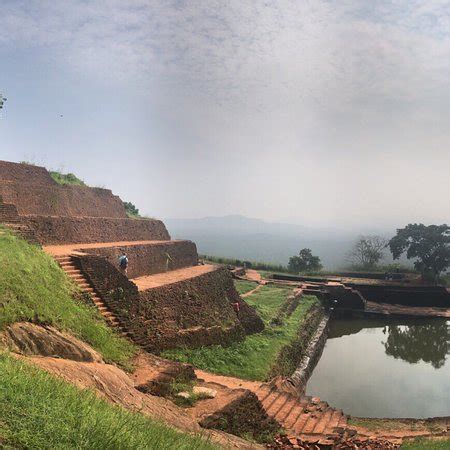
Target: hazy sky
[327,113]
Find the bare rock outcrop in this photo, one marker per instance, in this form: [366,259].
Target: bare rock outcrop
[37,340]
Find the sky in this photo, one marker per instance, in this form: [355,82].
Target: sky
[321,113]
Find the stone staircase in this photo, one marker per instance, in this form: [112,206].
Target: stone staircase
[308,418]
[10,218]
[68,265]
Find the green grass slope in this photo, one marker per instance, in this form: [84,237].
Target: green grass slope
[253,357]
[42,412]
[34,287]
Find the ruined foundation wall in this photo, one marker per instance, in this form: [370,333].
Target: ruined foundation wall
[148,259]
[192,313]
[53,199]
[405,295]
[51,230]
[189,313]
[24,173]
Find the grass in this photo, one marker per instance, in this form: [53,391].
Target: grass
[68,178]
[34,288]
[253,357]
[38,410]
[427,444]
[243,286]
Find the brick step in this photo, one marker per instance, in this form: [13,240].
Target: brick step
[323,421]
[290,420]
[286,410]
[277,405]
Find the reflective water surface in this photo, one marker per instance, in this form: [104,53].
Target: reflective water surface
[374,368]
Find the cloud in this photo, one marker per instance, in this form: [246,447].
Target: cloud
[335,87]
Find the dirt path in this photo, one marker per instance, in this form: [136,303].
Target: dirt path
[247,294]
[161,279]
[67,249]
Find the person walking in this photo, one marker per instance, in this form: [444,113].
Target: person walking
[123,263]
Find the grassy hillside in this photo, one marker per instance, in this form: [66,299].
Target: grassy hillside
[252,358]
[40,411]
[34,287]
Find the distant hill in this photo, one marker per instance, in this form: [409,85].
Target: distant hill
[255,239]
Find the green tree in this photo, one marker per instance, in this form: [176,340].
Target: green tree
[428,245]
[304,262]
[368,251]
[131,209]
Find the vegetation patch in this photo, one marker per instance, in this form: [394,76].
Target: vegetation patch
[257,265]
[34,288]
[243,286]
[131,210]
[68,178]
[40,411]
[427,444]
[253,357]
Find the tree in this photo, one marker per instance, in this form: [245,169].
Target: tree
[131,209]
[368,251]
[304,262]
[429,245]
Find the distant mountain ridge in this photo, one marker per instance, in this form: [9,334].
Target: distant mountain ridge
[237,236]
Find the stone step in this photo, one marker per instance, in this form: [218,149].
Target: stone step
[286,410]
[300,423]
[289,421]
[270,400]
[323,422]
[277,405]
[334,421]
[311,423]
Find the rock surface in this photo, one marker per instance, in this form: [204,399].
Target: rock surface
[37,340]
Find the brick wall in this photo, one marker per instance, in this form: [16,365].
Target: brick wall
[189,313]
[51,230]
[152,258]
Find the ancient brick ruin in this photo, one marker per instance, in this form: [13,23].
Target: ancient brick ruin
[166,299]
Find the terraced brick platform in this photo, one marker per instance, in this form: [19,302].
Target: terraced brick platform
[67,249]
[174,276]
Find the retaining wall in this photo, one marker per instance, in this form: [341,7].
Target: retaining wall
[148,259]
[190,313]
[24,173]
[50,230]
[297,359]
[405,295]
[311,355]
[53,199]
[33,191]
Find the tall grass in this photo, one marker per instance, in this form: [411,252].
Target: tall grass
[34,287]
[252,358]
[38,411]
